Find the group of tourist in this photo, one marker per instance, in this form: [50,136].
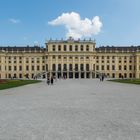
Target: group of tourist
[50,80]
[102,78]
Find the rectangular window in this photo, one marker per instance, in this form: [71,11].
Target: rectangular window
[20,75]
[43,67]
[27,68]
[9,75]
[70,47]
[59,48]
[15,68]
[87,48]
[120,67]
[125,67]
[113,67]
[32,67]
[9,67]
[65,48]
[102,67]
[38,68]
[20,68]
[82,47]
[97,67]
[76,48]
[53,48]
[107,67]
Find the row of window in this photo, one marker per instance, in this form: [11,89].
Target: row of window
[60,57]
[108,67]
[112,61]
[70,67]
[27,68]
[113,57]
[26,61]
[125,75]
[70,48]
[21,58]
[19,75]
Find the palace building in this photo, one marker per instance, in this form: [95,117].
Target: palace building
[70,59]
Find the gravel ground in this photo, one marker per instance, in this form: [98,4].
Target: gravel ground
[71,110]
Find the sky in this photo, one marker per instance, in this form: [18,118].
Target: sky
[109,22]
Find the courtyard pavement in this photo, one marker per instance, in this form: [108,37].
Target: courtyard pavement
[71,110]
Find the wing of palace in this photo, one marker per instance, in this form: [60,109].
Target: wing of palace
[69,59]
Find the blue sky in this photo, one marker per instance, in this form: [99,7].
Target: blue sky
[24,22]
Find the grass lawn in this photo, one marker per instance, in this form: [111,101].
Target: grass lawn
[129,81]
[5,84]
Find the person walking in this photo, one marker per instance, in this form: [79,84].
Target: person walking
[48,81]
[51,80]
[102,78]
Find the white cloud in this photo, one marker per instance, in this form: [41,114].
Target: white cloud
[77,27]
[15,21]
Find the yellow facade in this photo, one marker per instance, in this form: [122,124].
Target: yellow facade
[69,59]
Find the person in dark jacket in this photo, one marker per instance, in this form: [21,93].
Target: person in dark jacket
[51,80]
[48,81]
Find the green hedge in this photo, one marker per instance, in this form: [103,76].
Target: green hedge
[16,83]
[129,81]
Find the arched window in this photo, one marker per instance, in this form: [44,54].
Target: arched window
[53,67]
[82,47]
[59,67]
[65,67]
[87,48]
[65,48]
[70,48]
[76,48]
[70,67]
[46,67]
[125,75]
[82,67]
[76,67]
[120,75]
[59,47]
[130,75]
[53,48]
[125,67]
[120,67]
[87,67]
